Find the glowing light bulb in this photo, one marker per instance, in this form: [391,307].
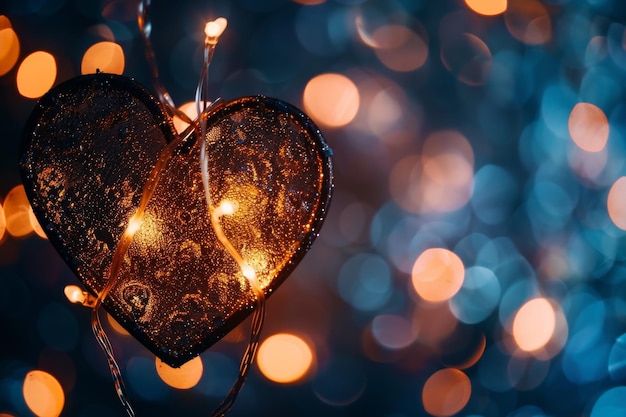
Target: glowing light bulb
[76,295]
[227,208]
[214,29]
[248,271]
[133,225]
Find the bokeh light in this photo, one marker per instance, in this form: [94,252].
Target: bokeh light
[489,131]
[610,403]
[480,283]
[17,212]
[43,394]
[331,99]
[36,74]
[437,274]
[185,377]
[399,48]
[468,57]
[190,108]
[528,21]
[616,203]
[487,7]
[4,22]
[588,127]
[393,332]
[534,324]
[284,358]
[9,47]
[3,223]
[446,392]
[104,57]
[438,180]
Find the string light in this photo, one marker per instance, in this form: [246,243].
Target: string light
[574,261]
[214,29]
[77,296]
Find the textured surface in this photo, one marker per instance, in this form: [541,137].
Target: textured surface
[88,149]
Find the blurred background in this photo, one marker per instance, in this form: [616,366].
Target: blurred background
[473,260]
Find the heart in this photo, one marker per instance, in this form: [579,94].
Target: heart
[89,147]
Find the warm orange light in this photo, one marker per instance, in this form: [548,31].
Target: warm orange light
[43,394]
[36,74]
[284,358]
[446,392]
[399,48]
[17,212]
[616,203]
[102,31]
[215,28]
[190,109]
[487,7]
[105,57]
[9,49]
[440,180]
[588,127]
[74,294]
[437,274]
[331,99]
[528,21]
[185,377]
[3,223]
[4,22]
[534,324]
[448,172]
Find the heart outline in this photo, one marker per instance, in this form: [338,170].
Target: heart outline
[163,122]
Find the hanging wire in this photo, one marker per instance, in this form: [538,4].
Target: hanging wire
[134,223]
[258,316]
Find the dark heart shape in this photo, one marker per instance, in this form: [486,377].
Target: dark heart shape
[87,151]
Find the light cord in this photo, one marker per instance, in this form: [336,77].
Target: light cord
[213,30]
[120,251]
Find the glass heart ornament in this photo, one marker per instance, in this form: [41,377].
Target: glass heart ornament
[89,153]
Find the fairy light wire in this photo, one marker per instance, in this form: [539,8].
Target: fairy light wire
[134,224]
[213,30]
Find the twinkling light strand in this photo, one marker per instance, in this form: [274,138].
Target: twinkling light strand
[213,30]
[134,223]
[133,226]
